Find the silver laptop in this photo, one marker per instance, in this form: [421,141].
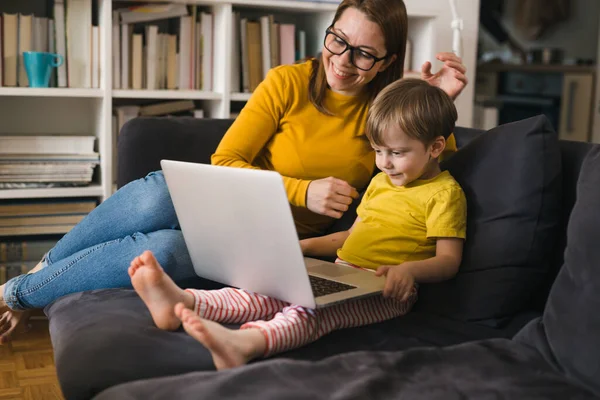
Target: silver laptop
[239,231]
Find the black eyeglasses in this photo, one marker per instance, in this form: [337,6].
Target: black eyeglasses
[361,59]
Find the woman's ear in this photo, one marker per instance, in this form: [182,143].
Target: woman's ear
[387,63]
[438,146]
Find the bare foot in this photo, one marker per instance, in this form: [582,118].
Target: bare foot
[158,291]
[13,321]
[229,348]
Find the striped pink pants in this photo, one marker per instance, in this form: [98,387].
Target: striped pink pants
[286,326]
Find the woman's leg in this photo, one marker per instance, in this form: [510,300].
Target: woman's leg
[101,266]
[141,206]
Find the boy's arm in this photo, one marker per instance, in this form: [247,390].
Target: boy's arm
[400,279]
[326,246]
[444,265]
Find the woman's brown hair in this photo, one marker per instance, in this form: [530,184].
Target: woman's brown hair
[391,17]
[421,111]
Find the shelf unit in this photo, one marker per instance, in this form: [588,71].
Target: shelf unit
[89,111]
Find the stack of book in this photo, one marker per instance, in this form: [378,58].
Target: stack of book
[175,108]
[43,217]
[19,257]
[259,45]
[162,46]
[49,160]
[72,19]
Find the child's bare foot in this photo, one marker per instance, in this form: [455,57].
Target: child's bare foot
[158,291]
[229,348]
[13,321]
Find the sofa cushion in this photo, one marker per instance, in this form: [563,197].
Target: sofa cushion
[491,369]
[570,328]
[511,177]
[105,337]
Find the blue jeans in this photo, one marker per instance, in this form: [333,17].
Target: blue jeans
[96,253]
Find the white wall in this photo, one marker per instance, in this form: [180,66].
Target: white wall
[441,31]
[578,35]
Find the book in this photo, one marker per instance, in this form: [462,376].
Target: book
[28,221]
[207,51]
[46,144]
[95,59]
[235,54]
[35,230]
[125,114]
[60,41]
[52,49]
[172,62]
[287,43]
[47,207]
[152,12]
[137,60]
[79,41]
[245,73]
[168,107]
[116,51]
[126,35]
[27,250]
[301,43]
[185,56]
[255,60]
[27,158]
[265,42]
[152,54]
[10,34]
[25,44]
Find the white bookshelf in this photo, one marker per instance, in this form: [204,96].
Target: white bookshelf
[89,111]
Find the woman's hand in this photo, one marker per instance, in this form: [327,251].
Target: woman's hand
[330,196]
[399,282]
[451,78]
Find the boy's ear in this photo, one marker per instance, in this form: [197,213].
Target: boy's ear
[438,146]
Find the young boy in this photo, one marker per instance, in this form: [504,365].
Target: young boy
[410,229]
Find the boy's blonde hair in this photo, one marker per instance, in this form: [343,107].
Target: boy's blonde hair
[420,110]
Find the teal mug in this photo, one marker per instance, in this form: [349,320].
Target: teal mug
[39,67]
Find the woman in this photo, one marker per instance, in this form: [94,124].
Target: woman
[305,121]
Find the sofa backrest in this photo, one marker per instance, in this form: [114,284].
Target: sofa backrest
[144,141]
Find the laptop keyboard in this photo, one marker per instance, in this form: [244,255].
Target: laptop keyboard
[323,287]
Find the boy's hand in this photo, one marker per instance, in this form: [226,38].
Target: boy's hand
[399,282]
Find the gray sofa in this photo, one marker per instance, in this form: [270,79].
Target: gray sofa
[505,327]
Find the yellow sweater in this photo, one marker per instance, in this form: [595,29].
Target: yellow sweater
[279,129]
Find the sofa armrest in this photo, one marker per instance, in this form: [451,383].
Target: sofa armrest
[144,141]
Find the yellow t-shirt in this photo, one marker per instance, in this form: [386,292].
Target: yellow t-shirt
[279,129]
[402,223]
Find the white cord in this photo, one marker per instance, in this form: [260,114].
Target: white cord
[457,27]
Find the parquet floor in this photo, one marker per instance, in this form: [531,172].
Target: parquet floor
[27,366]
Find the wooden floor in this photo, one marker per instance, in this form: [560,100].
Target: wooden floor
[27,366]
